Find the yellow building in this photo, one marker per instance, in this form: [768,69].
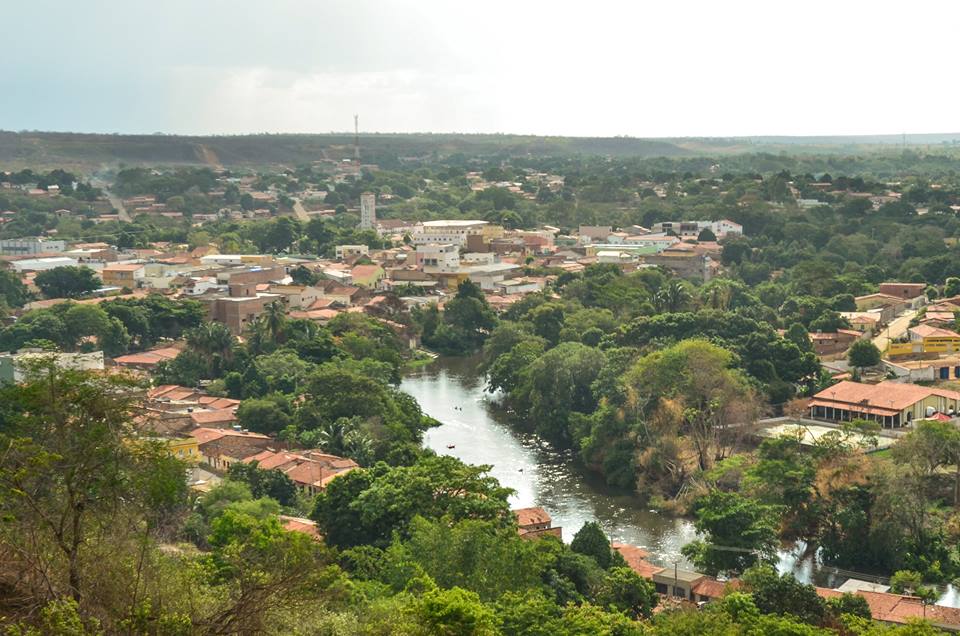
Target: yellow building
[186,449]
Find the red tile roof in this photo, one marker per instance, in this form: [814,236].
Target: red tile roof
[531,516]
[218,416]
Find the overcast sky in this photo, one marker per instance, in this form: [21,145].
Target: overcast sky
[648,69]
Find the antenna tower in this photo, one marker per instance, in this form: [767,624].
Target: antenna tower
[356,138]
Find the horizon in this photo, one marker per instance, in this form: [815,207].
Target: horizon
[688,70]
[349,133]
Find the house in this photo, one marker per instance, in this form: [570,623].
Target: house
[636,558]
[299,524]
[185,448]
[708,589]
[309,470]
[533,523]
[215,418]
[889,306]
[129,275]
[298,296]
[908,291]
[867,322]
[892,404]
[367,276]
[834,342]
[221,447]
[900,609]
[342,294]
[147,360]
[677,583]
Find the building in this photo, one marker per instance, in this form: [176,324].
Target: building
[147,360]
[344,252]
[298,296]
[31,246]
[368,211]
[186,448]
[684,261]
[533,523]
[221,447]
[433,257]
[13,365]
[595,232]
[42,263]
[829,343]
[908,291]
[237,313]
[368,276]
[892,404]
[889,306]
[129,275]
[455,232]
[721,228]
[677,583]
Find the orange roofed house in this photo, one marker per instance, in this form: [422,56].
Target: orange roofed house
[892,404]
[533,523]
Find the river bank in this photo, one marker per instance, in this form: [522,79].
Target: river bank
[474,430]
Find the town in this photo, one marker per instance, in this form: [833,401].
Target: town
[267,317]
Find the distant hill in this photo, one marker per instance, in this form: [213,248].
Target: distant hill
[89,151]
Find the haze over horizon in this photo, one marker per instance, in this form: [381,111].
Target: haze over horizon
[691,69]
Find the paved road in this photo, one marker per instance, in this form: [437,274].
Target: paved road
[896,328]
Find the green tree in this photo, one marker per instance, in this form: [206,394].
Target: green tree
[265,483]
[455,612]
[626,591]
[774,594]
[862,354]
[712,395]
[68,281]
[366,506]
[592,541]
[262,416]
[738,533]
[13,293]
[70,467]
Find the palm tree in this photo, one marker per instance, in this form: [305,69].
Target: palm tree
[331,436]
[672,298]
[211,338]
[275,319]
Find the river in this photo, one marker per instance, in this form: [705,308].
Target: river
[474,430]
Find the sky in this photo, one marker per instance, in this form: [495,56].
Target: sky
[663,68]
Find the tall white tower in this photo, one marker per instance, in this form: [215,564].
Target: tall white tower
[368,211]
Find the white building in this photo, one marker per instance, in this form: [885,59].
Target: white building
[29,246]
[455,232]
[720,228]
[13,365]
[434,257]
[368,211]
[41,264]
